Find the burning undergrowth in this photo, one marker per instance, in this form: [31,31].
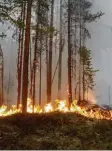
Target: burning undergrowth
[83,108]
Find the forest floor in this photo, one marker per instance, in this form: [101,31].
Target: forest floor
[68,131]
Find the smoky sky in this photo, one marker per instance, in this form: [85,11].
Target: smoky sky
[100,44]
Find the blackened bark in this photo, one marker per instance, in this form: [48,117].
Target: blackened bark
[79,55]
[50,54]
[20,55]
[26,57]
[69,57]
[60,54]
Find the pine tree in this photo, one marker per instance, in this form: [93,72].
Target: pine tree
[20,52]
[35,53]
[60,53]
[50,54]
[69,55]
[80,14]
[26,57]
[86,61]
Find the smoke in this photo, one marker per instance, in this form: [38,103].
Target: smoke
[90,96]
[101,46]
[101,39]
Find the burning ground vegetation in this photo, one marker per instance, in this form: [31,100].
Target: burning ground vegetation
[83,108]
[85,127]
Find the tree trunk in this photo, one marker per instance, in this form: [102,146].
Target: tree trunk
[80,56]
[1,77]
[47,60]
[41,38]
[26,57]
[75,57]
[18,70]
[31,73]
[50,54]
[60,54]
[35,57]
[69,56]
[83,59]
[20,54]
[8,88]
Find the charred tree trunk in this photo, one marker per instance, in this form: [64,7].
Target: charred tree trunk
[83,59]
[40,80]
[75,57]
[31,73]
[18,70]
[50,54]
[35,58]
[47,60]
[20,54]
[1,77]
[75,76]
[69,56]
[41,38]
[60,54]
[83,83]
[79,55]
[26,57]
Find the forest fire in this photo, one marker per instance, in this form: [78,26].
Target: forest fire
[61,106]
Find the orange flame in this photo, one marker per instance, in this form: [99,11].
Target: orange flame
[61,106]
[48,108]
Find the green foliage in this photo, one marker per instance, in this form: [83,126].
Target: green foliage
[9,7]
[86,61]
[67,131]
[44,29]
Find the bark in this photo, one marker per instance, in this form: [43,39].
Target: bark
[1,77]
[41,38]
[79,56]
[75,76]
[60,54]
[20,55]
[69,57]
[8,88]
[18,70]
[50,54]
[83,60]
[35,58]
[75,57]
[31,74]
[47,57]
[26,57]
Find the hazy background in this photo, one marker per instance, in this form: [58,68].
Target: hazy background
[100,44]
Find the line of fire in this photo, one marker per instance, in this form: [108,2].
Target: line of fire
[45,37]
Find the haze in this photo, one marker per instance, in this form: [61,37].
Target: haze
[100,44]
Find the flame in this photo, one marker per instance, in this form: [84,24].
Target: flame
[61,106]
[48,108]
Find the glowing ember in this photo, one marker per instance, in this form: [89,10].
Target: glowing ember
[61,106]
